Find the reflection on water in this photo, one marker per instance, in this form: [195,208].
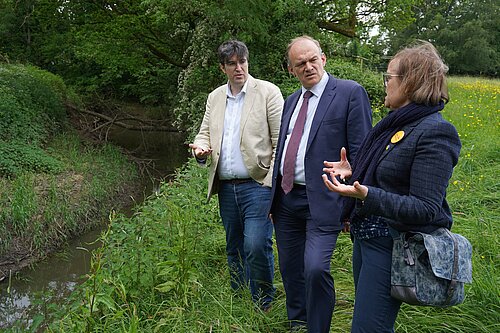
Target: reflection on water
[51,281]
[24,298]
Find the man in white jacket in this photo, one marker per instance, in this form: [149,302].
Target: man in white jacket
[239,132]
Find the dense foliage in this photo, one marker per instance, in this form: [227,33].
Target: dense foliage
[465,32]
[31,110]
[162,52]
[31,103]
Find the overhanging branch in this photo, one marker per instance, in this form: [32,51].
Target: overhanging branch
[144,125]
[348,31]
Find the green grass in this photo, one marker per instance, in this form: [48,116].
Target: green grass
[41,211]
[473,195]
[164,269]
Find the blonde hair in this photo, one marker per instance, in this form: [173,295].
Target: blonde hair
[423,73]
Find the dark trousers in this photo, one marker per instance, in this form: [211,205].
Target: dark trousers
[304,250]
[375,311]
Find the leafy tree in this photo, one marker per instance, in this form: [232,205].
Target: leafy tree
[354,17]
[465,32]
[164,51]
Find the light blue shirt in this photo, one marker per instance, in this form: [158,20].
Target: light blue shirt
[231,163]
[317,91]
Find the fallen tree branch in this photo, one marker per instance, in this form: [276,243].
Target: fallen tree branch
[147,125]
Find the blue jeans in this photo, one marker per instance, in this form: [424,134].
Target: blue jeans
[249,245]
[374,308]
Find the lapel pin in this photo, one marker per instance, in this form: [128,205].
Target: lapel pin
[397,137]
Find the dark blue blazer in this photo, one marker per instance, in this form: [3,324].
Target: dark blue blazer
[342,119]
[412,176]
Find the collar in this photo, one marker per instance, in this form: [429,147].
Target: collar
[318,89]
[243,90]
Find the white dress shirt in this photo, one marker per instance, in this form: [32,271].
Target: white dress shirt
[317,92]
[231,163]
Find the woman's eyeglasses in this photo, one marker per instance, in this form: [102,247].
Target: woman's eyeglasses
[388,76]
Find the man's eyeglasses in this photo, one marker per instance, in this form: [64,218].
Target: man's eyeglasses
[388,76]
[233,64]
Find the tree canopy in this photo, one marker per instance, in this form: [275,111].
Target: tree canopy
[164,51]
[466,32]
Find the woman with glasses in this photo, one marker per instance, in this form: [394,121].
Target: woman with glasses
[398,179]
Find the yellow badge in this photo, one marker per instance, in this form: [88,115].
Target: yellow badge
[397,137]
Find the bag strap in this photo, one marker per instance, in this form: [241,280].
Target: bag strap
[454,273]
[396,235]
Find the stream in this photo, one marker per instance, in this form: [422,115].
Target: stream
[26,295]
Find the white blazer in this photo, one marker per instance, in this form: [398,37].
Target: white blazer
[259,130]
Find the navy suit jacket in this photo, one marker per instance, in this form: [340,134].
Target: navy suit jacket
[342,119]
[412,176]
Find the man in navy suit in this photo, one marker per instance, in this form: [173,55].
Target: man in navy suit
[305,213]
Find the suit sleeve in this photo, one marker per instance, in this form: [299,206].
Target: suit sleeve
[274,111]
[436,154]
[359,120]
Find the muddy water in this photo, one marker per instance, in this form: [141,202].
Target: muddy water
[27,295]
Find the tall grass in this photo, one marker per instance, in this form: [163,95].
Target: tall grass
[164,269]
[473,195]
[41,211]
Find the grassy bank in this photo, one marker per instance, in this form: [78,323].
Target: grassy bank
[164,269]
[53,186]
[40,211]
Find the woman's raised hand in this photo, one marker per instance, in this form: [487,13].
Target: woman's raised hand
[341,168]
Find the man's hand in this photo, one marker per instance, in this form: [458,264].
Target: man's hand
[341,168]
[199,152]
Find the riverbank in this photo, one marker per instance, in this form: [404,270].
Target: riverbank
[42,211]
[54,184]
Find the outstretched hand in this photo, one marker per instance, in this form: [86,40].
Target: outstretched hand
[356,190]
[341,168]
[200,152]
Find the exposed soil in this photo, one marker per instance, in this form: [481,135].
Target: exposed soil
[22,255]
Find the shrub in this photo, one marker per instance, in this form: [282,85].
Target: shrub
[31,103]
[31,110]
[16,157]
